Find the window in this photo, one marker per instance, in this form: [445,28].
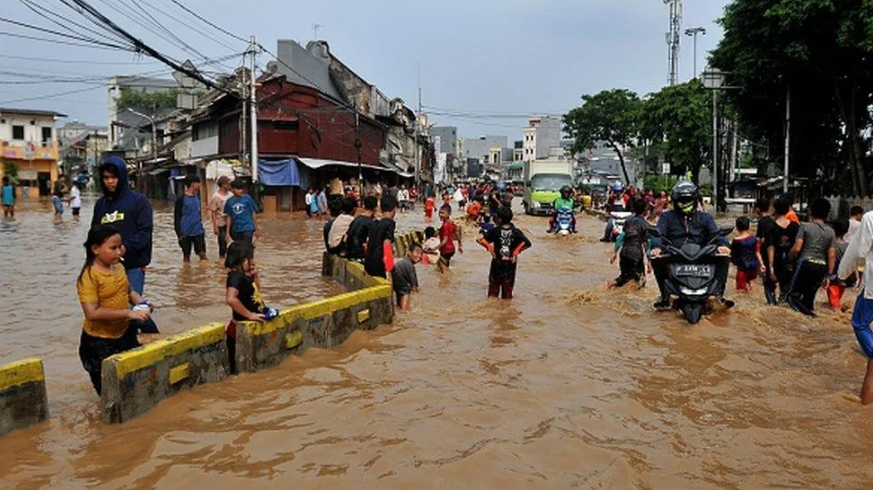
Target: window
[18,132]
[203,131]
[286,125]
[46,135]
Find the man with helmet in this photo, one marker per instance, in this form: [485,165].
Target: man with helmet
[563,203]
[686,223]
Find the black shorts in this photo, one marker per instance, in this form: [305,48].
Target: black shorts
[93,350]
[198,242]
[76,211]
[446,258]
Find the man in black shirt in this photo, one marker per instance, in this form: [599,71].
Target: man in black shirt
[765,229]
[359,231]
[380,255]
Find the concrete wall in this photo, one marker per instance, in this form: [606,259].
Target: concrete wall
[136,380]
[22,395]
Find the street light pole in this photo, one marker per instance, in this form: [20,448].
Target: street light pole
[140,180]
[787,137]
[715,149]
[693,32]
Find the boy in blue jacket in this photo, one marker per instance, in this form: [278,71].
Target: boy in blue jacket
[131,213]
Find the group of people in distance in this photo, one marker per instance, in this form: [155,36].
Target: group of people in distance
[369,239]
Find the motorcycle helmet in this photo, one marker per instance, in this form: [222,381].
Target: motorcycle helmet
[617,187]
[566,192]
[685,196]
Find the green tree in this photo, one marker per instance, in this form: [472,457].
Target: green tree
[680,116]
[10,170]
[140,99]
[821,51]
[610,116]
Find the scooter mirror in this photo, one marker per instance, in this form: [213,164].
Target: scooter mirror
[726,230]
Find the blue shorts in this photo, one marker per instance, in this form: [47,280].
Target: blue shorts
[861,319]
[59,205]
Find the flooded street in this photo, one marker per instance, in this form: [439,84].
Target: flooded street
[567,385]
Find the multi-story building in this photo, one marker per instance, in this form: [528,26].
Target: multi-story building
[518,151]
[480,148]
[448,137]
[29,144]
[540,135]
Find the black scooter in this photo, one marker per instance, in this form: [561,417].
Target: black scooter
[691,274]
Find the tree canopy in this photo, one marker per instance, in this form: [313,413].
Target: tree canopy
[681,117]
[610,116]
[822,52]
[140,99]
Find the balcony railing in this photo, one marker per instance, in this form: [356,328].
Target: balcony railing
[19,150]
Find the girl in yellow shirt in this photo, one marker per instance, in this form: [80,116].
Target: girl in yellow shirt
[106,297]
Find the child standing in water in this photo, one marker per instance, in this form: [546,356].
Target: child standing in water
[505,242]
[242,295]
[837,287]
[404,278]
[8,197]
[449,232]
[106,297]
[744,255]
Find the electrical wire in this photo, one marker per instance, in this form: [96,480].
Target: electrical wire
[202,19]
[61,34]
[49,96]
[53,17]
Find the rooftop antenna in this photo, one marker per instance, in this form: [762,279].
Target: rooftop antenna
[315,28]
[673,39]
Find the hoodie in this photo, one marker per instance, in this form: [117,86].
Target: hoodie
[130,212]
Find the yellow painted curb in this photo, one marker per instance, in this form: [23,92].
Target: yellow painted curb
[21,372]
[155,352]
[320,308]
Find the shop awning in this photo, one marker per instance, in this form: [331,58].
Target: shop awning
[279,172]
[316,163]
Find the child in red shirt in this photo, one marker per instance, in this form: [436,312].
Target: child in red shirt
[449,232]
[429,205]
[744,256]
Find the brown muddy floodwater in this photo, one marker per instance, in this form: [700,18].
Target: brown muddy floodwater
[565,386]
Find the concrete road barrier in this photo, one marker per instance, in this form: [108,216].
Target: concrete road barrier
[136,380]
[325,323]
[22,395]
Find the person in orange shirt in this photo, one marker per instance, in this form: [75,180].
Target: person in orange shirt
[429,206]
[106,299]
[473,211]
[791,216]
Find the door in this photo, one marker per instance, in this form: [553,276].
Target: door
[44,181]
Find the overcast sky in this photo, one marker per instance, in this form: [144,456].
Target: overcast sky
[476,56]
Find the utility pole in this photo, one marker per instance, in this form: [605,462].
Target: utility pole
[693,32]
[787,137]
[417,129]
[253,106]
[358,148]
[673,40]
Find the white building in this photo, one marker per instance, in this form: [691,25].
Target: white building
[540,135]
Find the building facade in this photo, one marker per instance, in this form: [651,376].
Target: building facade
[540,135]
[448,138]
[29,145]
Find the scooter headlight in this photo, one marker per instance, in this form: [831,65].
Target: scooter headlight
[693,292]
[536,204]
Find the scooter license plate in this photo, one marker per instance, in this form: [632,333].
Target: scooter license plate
[694,270]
